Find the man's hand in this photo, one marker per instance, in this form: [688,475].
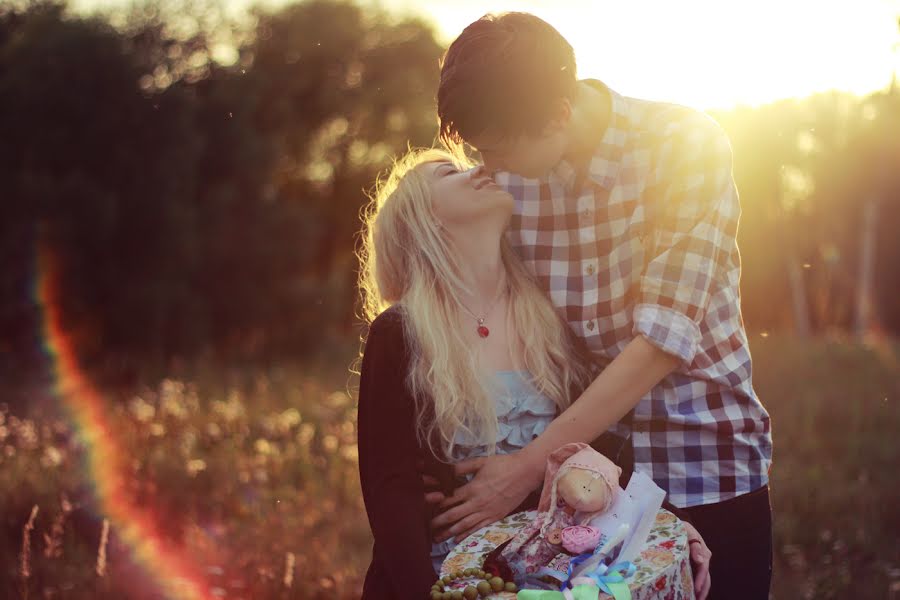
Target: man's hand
[501,483]
[700,556]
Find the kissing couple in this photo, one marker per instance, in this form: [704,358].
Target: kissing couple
[580,284]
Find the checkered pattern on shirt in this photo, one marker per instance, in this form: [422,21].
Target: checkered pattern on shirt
[647,247]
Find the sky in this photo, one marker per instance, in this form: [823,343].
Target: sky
[711,53]
[703,53]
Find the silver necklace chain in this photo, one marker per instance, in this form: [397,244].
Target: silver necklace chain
[497,296]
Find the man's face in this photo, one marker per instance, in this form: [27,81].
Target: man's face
[526,155]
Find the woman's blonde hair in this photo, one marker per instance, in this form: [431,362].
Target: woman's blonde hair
[407,259]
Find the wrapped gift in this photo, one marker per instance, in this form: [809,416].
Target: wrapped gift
[661,565]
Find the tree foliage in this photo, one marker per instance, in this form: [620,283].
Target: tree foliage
[204,209]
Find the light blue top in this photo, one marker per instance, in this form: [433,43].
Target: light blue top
[523,413]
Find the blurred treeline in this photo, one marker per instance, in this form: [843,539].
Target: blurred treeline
[208,210]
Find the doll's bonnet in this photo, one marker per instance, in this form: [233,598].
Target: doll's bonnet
[576,455]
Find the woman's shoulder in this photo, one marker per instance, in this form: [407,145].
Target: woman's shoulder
[388,324]
[390,317]
[386,331]
[385,361]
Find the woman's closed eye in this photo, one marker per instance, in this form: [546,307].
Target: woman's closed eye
[447,169]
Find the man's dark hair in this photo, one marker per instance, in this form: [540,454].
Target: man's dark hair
[504,74]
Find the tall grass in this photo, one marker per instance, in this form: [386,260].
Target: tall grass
[254,473]
[835,410]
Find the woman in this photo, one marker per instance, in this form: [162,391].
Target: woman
[465,355]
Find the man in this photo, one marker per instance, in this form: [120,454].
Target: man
[627,214]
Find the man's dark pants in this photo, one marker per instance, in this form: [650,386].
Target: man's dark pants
[737,531]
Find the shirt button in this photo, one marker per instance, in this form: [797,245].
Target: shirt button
[586,215]
[590,325]
[590,270]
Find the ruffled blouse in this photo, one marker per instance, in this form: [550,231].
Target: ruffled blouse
[523,413]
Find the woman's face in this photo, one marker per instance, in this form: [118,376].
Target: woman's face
[466,199]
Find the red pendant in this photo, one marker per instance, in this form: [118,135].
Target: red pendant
[483,331]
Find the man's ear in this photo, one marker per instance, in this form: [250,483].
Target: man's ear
[559,120]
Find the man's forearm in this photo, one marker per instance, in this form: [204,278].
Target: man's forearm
[609,398]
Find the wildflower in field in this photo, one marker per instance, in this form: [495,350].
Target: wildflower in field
[53,540]
[289,569]
[142,410]
[25,558]
[188,441]
[291,418]
[195,465]
[172,405]
[27,435]
[337,399]
[170,388]
[101,550]
[263,446]
[305,435]
[213,430]
[231,409]
[350,452]
[51,457]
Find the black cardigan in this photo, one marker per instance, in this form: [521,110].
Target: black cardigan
[392,486]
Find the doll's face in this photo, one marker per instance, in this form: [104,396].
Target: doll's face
[584,490]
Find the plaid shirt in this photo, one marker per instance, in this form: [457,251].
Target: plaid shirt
[648,247]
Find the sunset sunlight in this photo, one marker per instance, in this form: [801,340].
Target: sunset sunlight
[466,299]
[702,53]
[709,53]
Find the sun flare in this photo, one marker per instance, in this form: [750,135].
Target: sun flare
[710,53]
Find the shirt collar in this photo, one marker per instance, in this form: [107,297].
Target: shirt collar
[604,164]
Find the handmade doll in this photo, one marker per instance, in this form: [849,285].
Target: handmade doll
[579,484]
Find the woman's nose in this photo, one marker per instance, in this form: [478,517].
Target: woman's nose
[480,171]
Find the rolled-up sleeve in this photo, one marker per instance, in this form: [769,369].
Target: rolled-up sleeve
[694,220]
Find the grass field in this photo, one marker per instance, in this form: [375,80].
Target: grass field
[836,420]
[252,476]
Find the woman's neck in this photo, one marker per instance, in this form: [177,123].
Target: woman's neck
[482,269]
[478,251]
[484,276]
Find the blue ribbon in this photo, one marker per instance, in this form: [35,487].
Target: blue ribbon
[603,575]
[617,573]
[574,563]
[609,579]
